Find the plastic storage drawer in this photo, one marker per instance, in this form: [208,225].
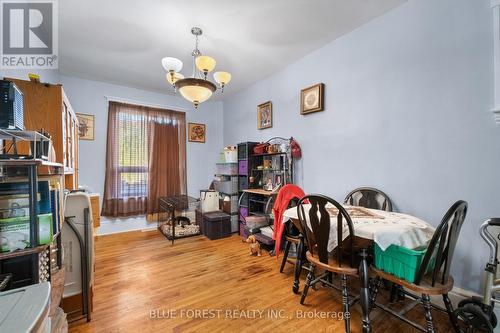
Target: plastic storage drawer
[243,183]
[400,261]
[243,167]
[229,169]
[243,213]
[243,232]
[235,224]
[229,186]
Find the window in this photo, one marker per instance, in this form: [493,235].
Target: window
[132,156]
[145,158]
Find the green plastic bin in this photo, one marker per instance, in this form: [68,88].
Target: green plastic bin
[400,261]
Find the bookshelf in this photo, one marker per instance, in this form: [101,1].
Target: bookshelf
[31,200]
[274,165]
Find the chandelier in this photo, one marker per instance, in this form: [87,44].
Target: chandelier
[196,88]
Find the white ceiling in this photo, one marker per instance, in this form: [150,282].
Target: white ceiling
[123,41]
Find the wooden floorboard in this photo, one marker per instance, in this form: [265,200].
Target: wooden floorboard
[140,272]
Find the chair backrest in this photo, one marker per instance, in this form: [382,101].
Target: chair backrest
[442,245]
[290,228]
[369,197]
[317,232]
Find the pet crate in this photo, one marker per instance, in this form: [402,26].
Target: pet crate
[177,217]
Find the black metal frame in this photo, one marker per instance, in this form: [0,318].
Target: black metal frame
[170,205]
[33,191]
[84,266]
[11,164]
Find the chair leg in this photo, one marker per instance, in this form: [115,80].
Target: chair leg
[426,303]
[285,255]
[396,293]
[449,310]
[298,264]
[374,293]
[345,303]
[309,279]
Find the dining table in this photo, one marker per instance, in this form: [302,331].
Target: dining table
[382,227]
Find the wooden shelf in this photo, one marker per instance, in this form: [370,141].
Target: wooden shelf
[26,162]
[268,154]
[260,191]
[47,107]
[24,252]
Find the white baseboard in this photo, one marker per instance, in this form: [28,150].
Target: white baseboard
[463,293]
[119,225]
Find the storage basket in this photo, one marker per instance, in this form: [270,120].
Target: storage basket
[400,261]
[222,157]
[260,148]
[229,204]
[216,225]
[231,154]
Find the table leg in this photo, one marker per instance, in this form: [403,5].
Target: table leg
[365,291]
[298,264]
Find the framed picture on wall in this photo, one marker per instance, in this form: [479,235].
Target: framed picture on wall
[86,126]
[311,99]
[265,115]
[196,132]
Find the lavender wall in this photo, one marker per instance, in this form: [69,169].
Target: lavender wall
[407,110]
[88,96]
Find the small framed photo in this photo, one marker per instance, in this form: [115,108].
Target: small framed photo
[85,126]
[311,99]
[196,132]
[265,115]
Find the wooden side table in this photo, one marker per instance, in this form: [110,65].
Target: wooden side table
[96,211]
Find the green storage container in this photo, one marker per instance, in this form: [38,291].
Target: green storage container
[16,231]
[400,261]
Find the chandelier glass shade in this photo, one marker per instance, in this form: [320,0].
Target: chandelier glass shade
[171,64]
[174,78]
[205,64]
[222,78]
[197,88]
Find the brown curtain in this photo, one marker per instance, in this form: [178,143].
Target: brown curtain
[145,158]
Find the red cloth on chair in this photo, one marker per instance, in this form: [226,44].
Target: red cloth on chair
[285,195]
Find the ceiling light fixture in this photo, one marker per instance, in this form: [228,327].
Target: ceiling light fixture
[197,88]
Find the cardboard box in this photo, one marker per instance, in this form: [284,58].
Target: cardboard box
[15,232]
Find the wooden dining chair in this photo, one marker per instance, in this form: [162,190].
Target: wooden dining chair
[316,226]
[294,236]
[369,197]
[430,280]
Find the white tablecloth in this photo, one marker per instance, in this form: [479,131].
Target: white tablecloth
[385,229]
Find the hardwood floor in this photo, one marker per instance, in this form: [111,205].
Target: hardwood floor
[139,275]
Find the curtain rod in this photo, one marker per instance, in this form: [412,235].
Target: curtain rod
[140,103]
